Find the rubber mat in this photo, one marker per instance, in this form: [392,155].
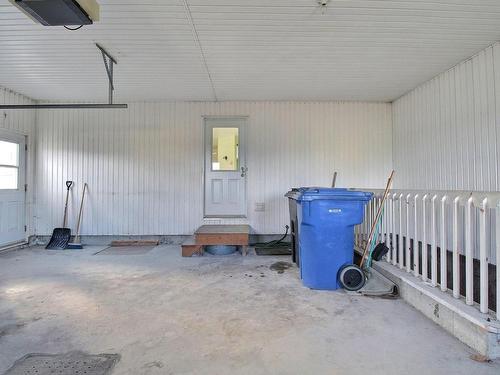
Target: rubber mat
[64,364]
[274,250]
[125,250]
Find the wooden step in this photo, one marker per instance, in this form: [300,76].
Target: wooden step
[224,229]
[224,235]
[190,248]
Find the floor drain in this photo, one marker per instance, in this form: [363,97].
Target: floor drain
[64,364]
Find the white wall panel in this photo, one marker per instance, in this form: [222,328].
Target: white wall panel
[447,131]
[22,122]
[144,166]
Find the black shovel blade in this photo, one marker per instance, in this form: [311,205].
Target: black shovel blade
[379,251]
[60,239]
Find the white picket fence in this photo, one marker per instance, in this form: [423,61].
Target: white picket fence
[467,224]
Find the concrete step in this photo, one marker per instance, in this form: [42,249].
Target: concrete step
[479,331]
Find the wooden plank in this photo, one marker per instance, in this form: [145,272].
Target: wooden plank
[244,250]
[217,235]
[134,243]
[190,250]
[189,241]
[240,239]
[223,229]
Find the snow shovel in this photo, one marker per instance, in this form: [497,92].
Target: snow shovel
[76,244]
[61,236]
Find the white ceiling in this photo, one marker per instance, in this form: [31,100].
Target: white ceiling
[248,49]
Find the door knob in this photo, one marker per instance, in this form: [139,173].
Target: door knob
[244,171]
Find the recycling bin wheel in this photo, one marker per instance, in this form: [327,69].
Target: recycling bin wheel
[351,277]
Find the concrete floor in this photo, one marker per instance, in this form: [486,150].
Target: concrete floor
[213,315]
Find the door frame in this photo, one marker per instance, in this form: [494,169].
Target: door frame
[242,136]
[10,135]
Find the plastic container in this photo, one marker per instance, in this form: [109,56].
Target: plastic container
[292,196]
[221,249]
[326,219]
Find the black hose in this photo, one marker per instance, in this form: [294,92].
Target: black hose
[275,243]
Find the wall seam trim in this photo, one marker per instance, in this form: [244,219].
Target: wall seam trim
[198,42]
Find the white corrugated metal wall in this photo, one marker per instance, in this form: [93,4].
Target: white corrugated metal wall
[22,122]
[447,131]
[144,166]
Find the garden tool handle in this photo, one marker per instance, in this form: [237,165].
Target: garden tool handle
[77,237]
[68,186]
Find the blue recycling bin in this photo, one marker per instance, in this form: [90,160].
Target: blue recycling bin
[326,219]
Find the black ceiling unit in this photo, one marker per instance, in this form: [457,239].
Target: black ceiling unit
[55,12]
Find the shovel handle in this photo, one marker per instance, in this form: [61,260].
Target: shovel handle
[77,237]
[68,186]
[334,180]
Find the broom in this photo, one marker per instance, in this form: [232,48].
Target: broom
[76,245]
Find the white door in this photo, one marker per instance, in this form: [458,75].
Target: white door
[225,167]
[12,188]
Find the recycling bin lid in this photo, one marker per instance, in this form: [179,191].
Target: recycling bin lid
[315,193]
[295,193]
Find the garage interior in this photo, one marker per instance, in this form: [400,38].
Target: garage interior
[148,153]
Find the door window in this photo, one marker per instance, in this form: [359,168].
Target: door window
[9,165]
[225,149]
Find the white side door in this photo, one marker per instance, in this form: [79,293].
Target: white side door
[12,188]
[225,167]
